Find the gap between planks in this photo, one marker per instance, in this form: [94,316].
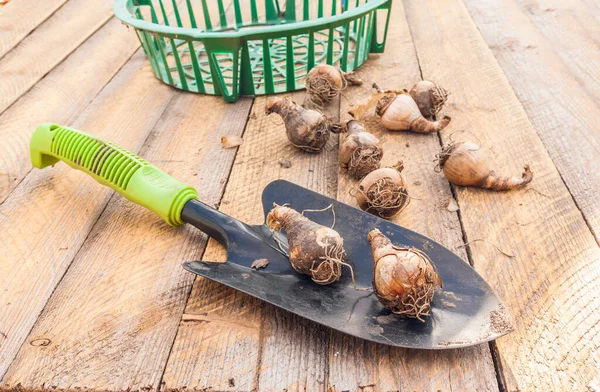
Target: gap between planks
[19,18]
[48,45]
[391,368]
[552,270]
[547,51]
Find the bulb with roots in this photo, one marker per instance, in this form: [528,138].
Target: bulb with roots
[360,152]
[314,250]
[466,164]
[429,97]
[399,112]
[383,192]
[404,278]
[307,129]
[325,82]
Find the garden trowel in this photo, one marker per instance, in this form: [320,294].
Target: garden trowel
[464,312]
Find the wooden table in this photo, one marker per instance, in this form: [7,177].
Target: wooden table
[92,293]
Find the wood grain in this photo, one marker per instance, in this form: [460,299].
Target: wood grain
[549,284]
[534,44]
[126,287]
[228,346]
[303,343]
[48,45]
[353,362]
[47,218]
[19,18]
[61,96]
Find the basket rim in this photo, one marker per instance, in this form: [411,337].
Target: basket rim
[121,11]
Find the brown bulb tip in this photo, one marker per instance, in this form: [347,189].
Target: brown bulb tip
[399,166]
[336,128]
[527,175]
[373,234]
[344,126]
[445,121]
[273,105]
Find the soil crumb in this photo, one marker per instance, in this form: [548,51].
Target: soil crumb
[231,382]
[285,163]
[501,321]
[447,343]
[451,295]
[448,304]
[390,318]
[260,263]
[376,330]
[231,141]
[452,205]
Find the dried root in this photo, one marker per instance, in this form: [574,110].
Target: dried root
[383,192]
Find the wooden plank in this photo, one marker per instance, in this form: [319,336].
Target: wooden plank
[572,31]
[549,284]
[593,8]
[544,47]
[302,343]
[48,45]
[231,341]
[60,206]
[118,307]
[19,18]
[354,363]
[60,97]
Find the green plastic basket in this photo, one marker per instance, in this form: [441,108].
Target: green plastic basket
[250,47]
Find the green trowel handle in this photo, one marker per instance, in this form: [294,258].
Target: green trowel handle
[123,171]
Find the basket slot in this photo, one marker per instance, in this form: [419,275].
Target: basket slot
[369,34]
[380,29]
[225,70]
[268,68]
[253,11]
[306,13]
[359,42]
[143,37]
[345,50]
[181,74]
[206,12]
[222,14]
[290,10]
[177,16]
[355,23]
[191,14]
[290,64]
[164,13]
[238,13]
[330,47]
[311,51]
[320,9]
[196,68]
[161,44]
